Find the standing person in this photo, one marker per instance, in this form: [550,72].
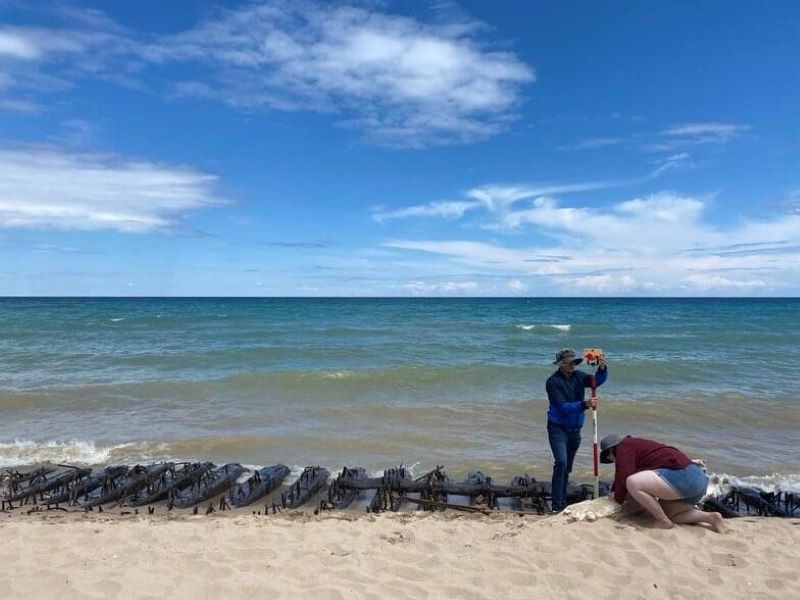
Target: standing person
[566,392]
[662,479]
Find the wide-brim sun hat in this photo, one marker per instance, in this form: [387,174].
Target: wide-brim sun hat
[567,356]
[606,444]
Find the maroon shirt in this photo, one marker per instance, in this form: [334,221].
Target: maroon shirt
[637,454]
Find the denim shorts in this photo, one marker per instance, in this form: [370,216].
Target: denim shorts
[690,482]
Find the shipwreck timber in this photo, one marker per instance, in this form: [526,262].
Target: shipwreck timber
[259,484]
[181,486]
[206,485]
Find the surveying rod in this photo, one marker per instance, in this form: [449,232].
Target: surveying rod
[593,357]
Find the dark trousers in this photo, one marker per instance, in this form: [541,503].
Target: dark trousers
[564,443]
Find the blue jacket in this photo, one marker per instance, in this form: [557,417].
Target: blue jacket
[566,396]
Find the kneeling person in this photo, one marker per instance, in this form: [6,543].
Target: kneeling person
[662,479]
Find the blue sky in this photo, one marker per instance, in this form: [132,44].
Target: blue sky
[400,148]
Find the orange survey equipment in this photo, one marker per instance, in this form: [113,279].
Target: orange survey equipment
[594,356]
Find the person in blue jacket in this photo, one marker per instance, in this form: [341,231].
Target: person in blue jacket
[566,393]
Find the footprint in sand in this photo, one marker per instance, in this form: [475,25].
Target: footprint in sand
[637,559]
[523,579]
[398,537]
[775,584]
[726,559]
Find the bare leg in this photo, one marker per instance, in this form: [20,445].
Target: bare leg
[687,515]
[647,487]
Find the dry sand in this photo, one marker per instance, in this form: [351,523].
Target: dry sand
[401,555]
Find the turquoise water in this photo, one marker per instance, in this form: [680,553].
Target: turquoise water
[376,382]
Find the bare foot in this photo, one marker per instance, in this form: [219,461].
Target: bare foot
[716,521]
[664,524]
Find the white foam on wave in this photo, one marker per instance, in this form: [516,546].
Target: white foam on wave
[336,374]
[721,483]
[559,327]
[247,473]
[118,319]
[410,470]
[294,474]
[252,468]
[80,452]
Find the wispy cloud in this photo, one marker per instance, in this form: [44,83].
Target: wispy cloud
[695,134]
[718,132]
[50,188]
[494,198]
[761,250]
[673,139]
[594,143]
[673,162]
[793,203]
[711,282]
[304,245]
[444,209]
[502,201]
[19,106]
[420,288]
[59,249]
[635,246]
[746,247]
[401,81]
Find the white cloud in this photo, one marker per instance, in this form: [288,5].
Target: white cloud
[36,44]
[399,80]
[445,287]
[604,283]
[17,46]
[495,198]
[793,202]
[47,187]
[502,200]
[516,286]
[404,82]
[663,207]
[706,282]
[655,244]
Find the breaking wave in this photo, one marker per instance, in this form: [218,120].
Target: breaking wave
[74,452]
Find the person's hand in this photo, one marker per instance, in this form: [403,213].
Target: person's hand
[601,360]
[590,403]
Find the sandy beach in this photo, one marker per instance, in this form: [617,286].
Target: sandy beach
[402,555]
